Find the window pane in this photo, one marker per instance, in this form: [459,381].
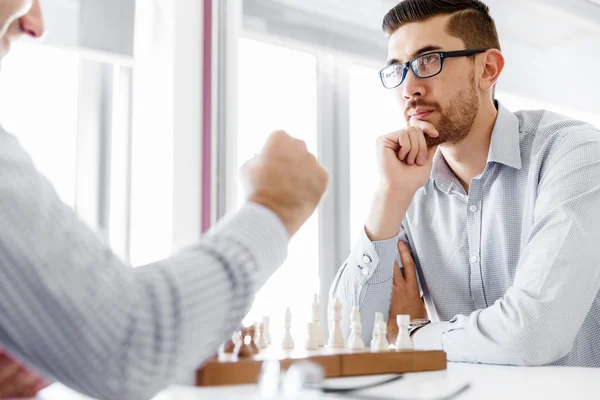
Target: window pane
[278,90]
[373,113]
[38,104]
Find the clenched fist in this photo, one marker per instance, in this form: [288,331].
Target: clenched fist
[286,178]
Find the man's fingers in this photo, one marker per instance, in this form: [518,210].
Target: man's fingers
[410,274]
[425,126]
[20,384]
[8,369]
[422,156]
[414,145]
[405,145]
[398,278]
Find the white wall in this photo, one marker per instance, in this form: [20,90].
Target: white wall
[551,50]
[104,26]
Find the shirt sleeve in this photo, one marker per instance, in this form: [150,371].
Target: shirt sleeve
[365,280]
[72,312]
[557,278]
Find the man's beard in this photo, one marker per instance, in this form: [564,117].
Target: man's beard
[456,120]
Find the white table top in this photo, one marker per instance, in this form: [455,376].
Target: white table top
[487,382]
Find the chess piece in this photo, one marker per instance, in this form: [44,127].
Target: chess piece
[247,348]
[354,315]
[355,341]
[232,344]
[310,344]
[336,339]
[267,321]
[260,339]
[316,319]
[288,342]
[380,342]
[403,342]
[378,318]
[252,334]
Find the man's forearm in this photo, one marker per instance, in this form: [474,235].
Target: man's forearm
[387,212]
[66,295]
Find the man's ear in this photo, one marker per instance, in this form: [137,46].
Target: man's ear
[493,64]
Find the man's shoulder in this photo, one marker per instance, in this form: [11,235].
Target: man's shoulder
[546,125]
[548,132]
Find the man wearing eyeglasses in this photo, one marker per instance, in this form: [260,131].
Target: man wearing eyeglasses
[486,222]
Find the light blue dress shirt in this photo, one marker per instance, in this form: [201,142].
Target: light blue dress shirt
[509,272]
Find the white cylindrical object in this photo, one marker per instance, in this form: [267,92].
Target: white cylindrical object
[403,320]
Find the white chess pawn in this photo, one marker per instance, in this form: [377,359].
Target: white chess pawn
[267,321]
[355,341]
[355,315]
[310,344]
[403,342]
[378,318]
[288,342]
[316,319]
[259,338]
[380,342]
[336,339]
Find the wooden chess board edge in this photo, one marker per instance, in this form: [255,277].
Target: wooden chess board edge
[340,365]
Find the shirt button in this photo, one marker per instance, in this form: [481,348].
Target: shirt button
[366,259]
[474,259]
[473,208]
[365,271]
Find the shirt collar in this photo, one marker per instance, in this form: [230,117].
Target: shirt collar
[505,148]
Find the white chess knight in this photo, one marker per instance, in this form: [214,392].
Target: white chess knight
[259,337]
[336,339]
[403,341]
[267,321]
[380,342]
[316,320]
[288,342]
[310,343]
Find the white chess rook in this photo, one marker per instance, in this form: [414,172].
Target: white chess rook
[403,341]
[336,339]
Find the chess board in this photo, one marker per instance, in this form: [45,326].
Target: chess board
[229,370]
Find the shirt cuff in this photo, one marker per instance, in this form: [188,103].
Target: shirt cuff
[373,262]
[430,336]
[261,232]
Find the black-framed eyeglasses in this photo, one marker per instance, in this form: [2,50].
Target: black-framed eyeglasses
[424,66]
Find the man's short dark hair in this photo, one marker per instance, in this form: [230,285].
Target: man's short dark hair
[470,20]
